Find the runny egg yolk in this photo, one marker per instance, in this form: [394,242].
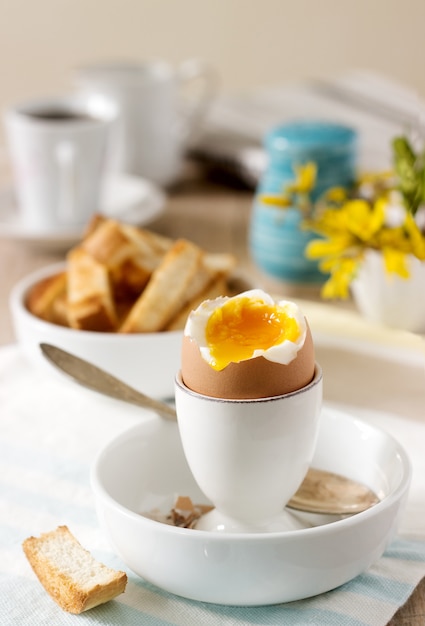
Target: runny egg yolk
[242,325]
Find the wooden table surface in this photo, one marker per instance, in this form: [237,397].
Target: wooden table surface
[216,217]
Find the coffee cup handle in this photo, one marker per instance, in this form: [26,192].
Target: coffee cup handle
[65,157]
[200,71]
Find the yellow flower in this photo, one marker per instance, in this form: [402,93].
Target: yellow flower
[362,219]
[280,201]
[377,213]
[295,194]
[395,262]
[342,273]
[336,195]
[375,178]
[305,178]
[415,236]
[332,247]
[329,222]
[392,238]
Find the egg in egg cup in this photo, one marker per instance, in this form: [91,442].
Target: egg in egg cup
[248,401]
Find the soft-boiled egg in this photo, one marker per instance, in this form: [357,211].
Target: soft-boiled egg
[247,346]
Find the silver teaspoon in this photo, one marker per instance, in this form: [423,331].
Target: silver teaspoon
[321,492]
[96,379]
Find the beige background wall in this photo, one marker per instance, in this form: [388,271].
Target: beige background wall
[250,42]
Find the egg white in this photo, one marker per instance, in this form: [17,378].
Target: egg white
[282,353]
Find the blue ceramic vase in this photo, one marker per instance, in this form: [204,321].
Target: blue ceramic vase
[277,240]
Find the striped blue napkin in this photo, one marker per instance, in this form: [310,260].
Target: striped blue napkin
[45,458]
[371,599]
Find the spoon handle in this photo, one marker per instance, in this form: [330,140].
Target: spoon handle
[97,379]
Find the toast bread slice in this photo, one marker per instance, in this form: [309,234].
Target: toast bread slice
[131,255]
[128,279]
[217,288]
[69,573]
[43,299]
[90,300]
[96,220]
[166,291]
[219,263]
[185,273]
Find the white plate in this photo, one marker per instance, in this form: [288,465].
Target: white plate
[145,468]
[128,198]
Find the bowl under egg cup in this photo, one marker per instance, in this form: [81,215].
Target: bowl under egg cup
[249,456]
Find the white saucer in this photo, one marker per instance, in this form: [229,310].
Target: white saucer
[128,198]
[144,469]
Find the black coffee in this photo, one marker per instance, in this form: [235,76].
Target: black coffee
[61,115]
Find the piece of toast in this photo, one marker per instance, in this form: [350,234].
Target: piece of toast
[95,221]
[111,247]
[128,279]
[211,267]
[185,272]
[219,263]
[149,243]
[215,289]
[131,254]
[165,294]
[89,295]
[43,298]
[69,573]
[131,276]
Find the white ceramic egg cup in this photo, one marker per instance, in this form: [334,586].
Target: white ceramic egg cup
[249,456]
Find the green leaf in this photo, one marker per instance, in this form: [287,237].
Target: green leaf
[410,170]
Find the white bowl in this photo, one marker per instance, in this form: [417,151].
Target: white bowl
[146,361]
[144,468]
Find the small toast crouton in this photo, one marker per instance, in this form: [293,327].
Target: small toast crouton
[43,298]
[90,302]
[69,573]
[166,290]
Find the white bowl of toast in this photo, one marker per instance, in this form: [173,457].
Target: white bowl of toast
[120,300]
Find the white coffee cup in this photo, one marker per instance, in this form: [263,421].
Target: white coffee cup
[58,149]
[155,123]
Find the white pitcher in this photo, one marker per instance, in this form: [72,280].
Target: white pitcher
[157,119]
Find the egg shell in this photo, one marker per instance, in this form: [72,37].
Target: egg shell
[254,378]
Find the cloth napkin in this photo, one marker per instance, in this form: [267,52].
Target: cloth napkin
[50,432]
